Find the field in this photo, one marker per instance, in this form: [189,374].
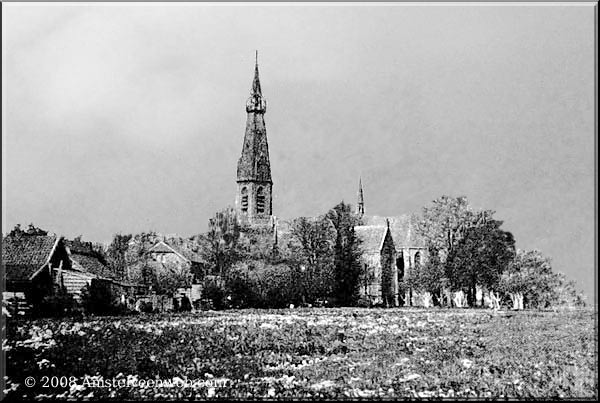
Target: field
[312,353]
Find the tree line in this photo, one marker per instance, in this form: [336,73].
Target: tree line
[469,250]
[317,262]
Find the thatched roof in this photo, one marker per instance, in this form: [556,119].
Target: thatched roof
[24,255]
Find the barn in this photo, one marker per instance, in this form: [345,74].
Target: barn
[30,264]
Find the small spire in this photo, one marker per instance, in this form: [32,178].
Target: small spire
[360,205]
[256,102]
[256,90]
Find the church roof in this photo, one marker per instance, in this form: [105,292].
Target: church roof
[23,256]
[372,237]
[403,229]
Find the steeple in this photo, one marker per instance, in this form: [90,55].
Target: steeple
[360,204]
[256,102]
[254,197]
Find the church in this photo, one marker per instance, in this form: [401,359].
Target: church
[390,246]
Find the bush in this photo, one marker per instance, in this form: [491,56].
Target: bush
[185,305]
[56,305]
[363,302]
[243,288]
[261,285]
[98,299]
[214,293]
[146,307]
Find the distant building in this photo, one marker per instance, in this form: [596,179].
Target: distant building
[409,247]
[164,253]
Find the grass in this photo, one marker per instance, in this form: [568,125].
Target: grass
[311,353]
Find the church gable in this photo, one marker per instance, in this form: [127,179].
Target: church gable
[403,229]
[372,237]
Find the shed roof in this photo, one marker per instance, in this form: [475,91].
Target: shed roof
[90,264]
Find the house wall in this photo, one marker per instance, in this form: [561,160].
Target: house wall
[169,258]
[73,282]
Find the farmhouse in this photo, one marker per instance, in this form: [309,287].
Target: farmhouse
[167,254]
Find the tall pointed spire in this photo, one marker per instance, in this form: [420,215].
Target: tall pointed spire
[254,195]
[256,102]
[256,91]
[360,205]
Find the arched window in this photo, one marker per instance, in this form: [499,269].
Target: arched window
[400,266]
[260,200]
[244,199]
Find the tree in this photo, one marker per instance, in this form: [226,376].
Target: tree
[468,245]
[530,282]
[255,244]
[566,293]
[443,223]
[99,299]
[117,255]
[143,271]
[480,256]
[347,254]
[219,247]
[244,286]
[429,278]
[170,277]
[31,230]
[312,256]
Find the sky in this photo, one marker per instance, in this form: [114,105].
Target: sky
[122,119]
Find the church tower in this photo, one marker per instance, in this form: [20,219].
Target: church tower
[360,203]
[254,185]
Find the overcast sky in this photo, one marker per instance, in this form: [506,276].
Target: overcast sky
[131,118]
